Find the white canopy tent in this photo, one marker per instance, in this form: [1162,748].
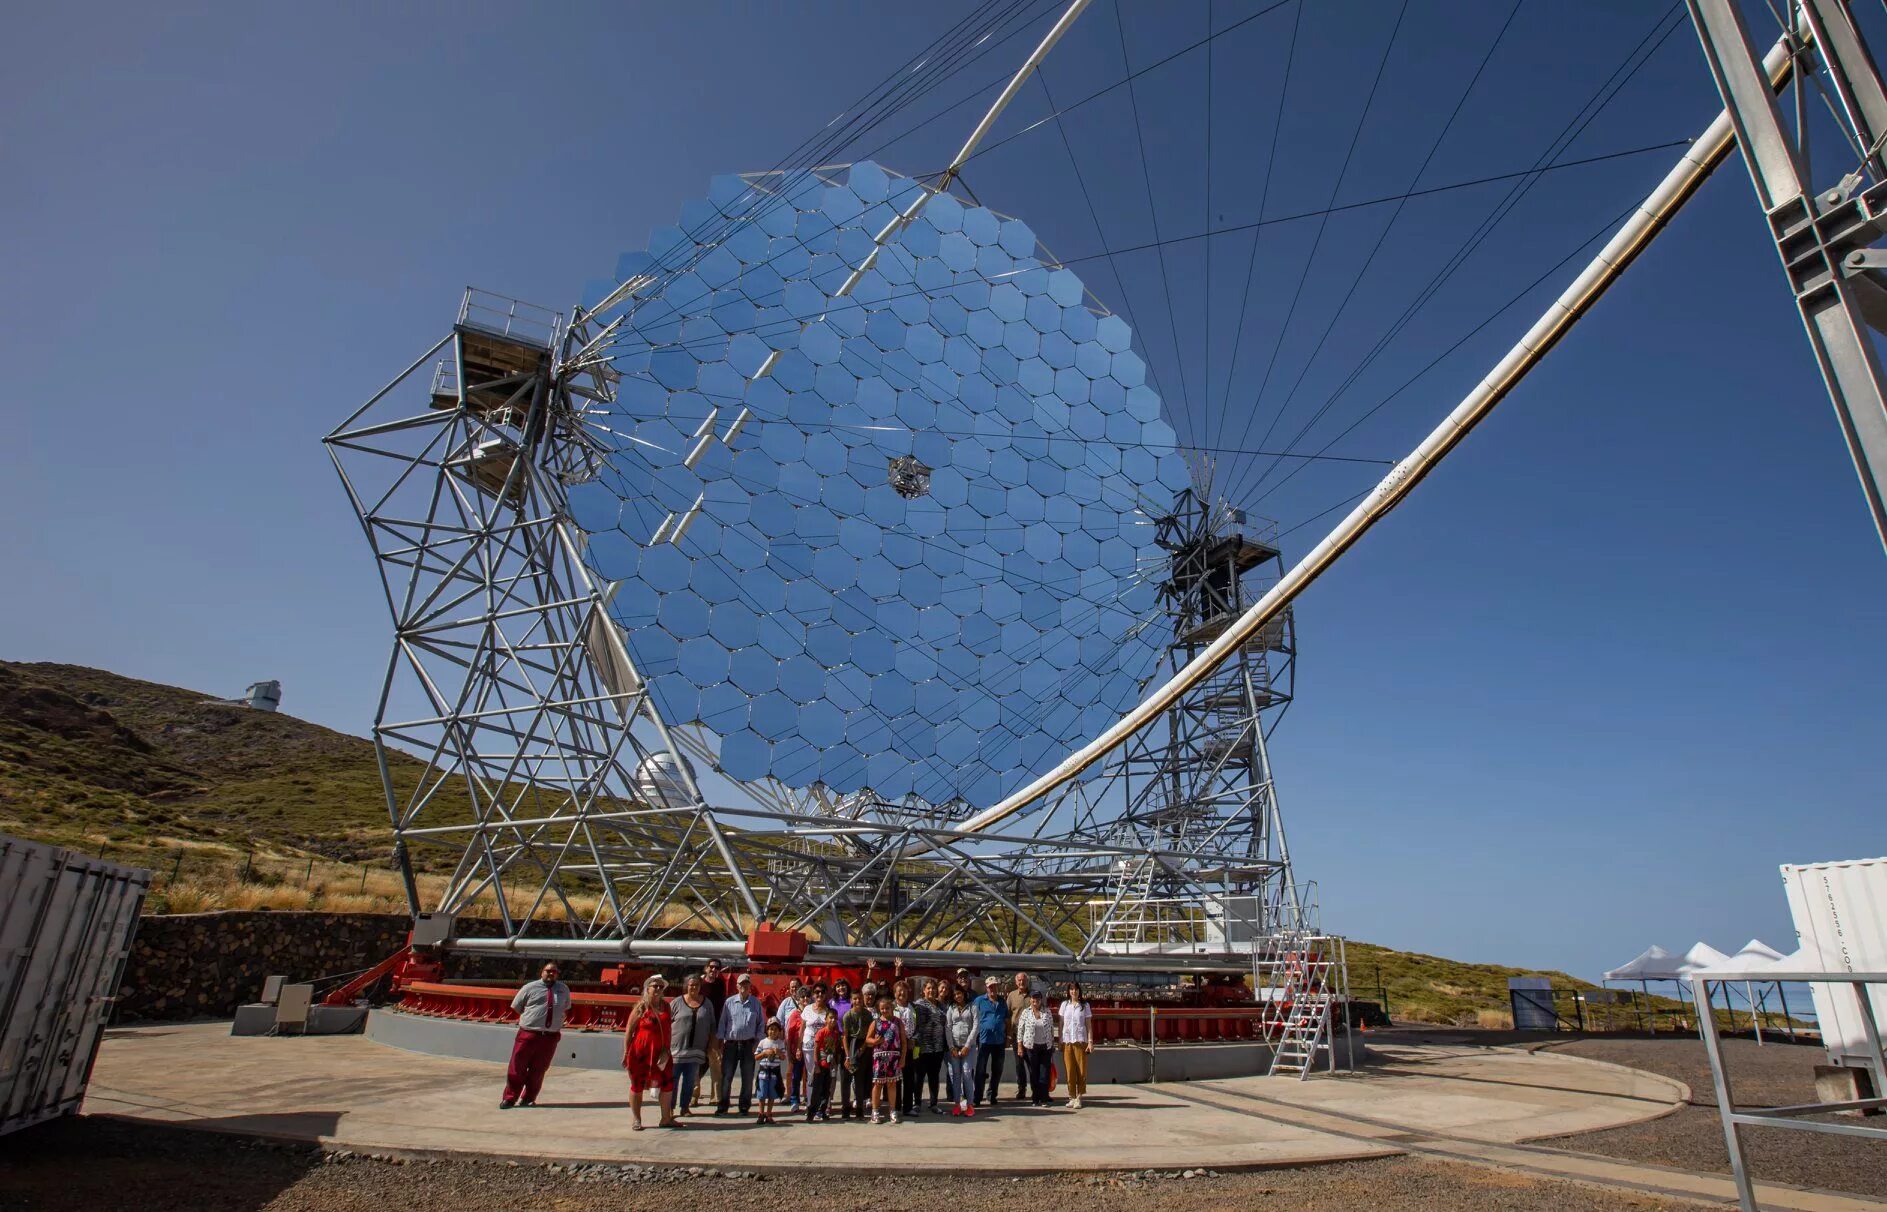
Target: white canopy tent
[1655,964]
[1758,956]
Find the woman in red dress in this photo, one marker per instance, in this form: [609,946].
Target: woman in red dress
[645,1052]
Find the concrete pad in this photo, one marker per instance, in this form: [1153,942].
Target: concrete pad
[1414,1100]
[1489,1094]
[351,1092]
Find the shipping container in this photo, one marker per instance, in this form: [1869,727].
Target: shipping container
[66,921]
[1840,912]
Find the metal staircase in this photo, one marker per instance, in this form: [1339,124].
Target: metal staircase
[1302,980]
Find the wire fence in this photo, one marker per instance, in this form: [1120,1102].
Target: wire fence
[196,879]
[206,878]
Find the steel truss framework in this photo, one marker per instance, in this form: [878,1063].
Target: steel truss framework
[551,796]
[1199,781]
[1824,236]
[530,720]
[538,742]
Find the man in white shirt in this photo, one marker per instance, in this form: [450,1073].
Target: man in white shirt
[541,1005]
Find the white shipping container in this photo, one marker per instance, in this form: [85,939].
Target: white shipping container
[66,921]
[1840,912]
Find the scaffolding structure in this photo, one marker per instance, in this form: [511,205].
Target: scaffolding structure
[1199,781]
[508,679]
[526,761]
[1824,235]
[548,777]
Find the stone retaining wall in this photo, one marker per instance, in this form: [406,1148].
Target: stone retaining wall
[203,965]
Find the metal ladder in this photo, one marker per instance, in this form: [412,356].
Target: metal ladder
[1129,923]
[1305,1025]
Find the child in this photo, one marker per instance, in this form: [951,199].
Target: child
[906,1010]
[822,1063]
[886,1038]
[769,1058]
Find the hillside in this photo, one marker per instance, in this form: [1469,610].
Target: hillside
[1430,989]
[240,808]
[95,760]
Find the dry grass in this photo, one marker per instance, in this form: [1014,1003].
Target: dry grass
[188,898]
[212,878]
[1494,1020]
[192,896]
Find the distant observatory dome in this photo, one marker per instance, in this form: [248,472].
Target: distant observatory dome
[261,696]
[659,781]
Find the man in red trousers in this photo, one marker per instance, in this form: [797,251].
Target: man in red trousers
[540,1005]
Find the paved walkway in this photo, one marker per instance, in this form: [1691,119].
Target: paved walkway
[1461,1104]
[1355,1110]
[349,1092]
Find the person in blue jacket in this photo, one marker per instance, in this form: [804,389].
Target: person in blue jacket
[992,1031]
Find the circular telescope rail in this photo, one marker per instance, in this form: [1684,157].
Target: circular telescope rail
[1114,1022]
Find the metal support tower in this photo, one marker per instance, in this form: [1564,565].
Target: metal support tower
[538,743]
[532,782]
[548,778]
[1199,781]
[1825,237]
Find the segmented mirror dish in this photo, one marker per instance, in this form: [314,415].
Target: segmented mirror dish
[899,538]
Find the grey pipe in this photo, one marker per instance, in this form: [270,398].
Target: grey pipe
[692,950]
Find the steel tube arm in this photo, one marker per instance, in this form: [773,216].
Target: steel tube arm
[1016,82]
[607,951]
[1704,155]
[903,219]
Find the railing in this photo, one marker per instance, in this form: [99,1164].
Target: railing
[506,317]
[445,378]
[1140,918]
[492,1004]
[1134,917]
[1735,1118]
[1172,1024]
[1129,1025]
[1303,984]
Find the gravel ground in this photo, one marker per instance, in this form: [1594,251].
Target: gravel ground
[87,1164]
[1692,1138]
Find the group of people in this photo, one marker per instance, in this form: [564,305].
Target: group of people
[874,1055]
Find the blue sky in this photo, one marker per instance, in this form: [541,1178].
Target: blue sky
[1584,692]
